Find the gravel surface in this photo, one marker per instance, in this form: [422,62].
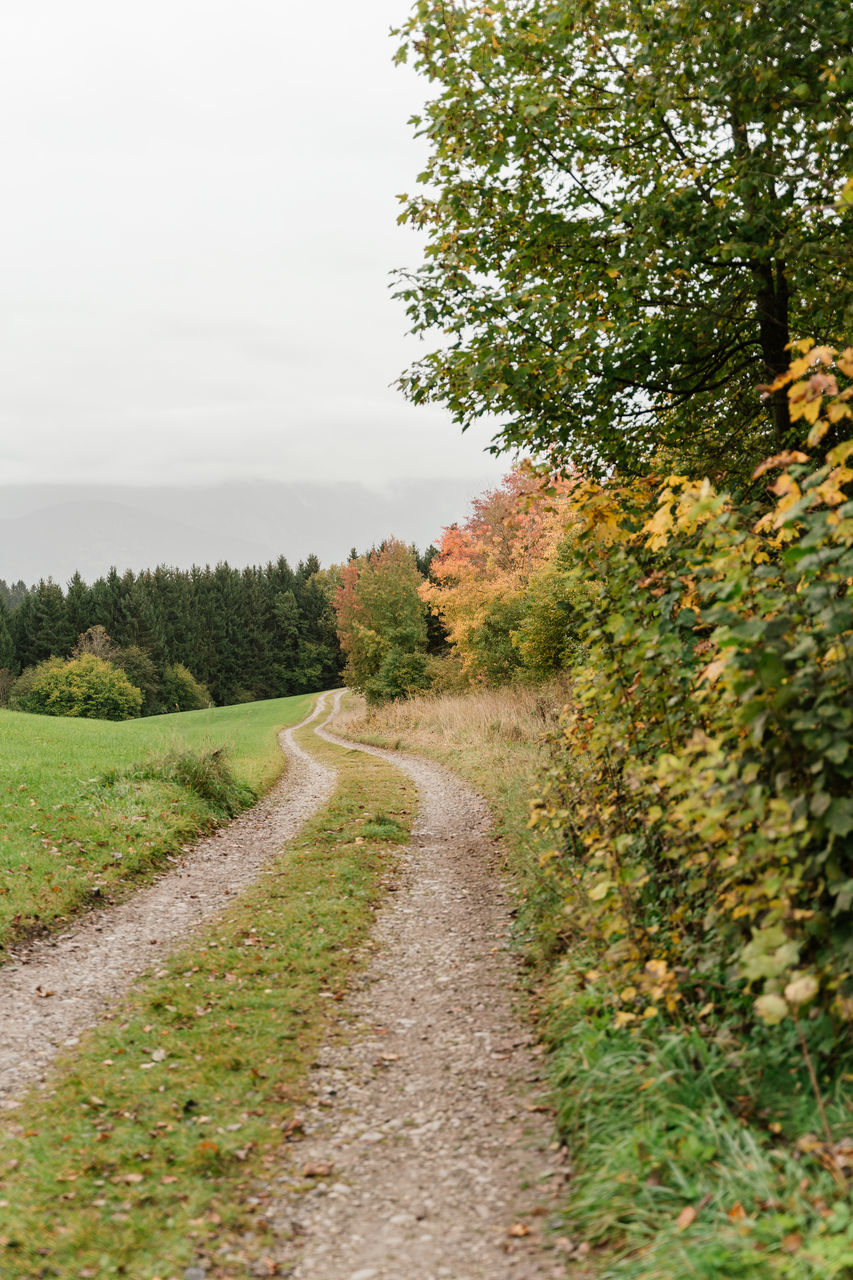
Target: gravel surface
[427,1152]
[59,986]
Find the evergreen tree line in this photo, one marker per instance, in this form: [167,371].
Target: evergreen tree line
[245,634]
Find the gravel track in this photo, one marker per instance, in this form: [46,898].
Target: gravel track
[427,1150]
[88,967]
[427,1101]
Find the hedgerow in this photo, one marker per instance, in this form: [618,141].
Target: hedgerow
[698,798]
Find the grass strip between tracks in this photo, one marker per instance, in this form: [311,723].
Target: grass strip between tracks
[140,1156]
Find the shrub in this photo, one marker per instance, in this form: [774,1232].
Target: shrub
[140,670]
[700,789]
[400,674]
[95,640]
[208,775]
[181,690]
[87,687]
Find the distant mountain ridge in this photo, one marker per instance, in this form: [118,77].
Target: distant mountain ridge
[55,530]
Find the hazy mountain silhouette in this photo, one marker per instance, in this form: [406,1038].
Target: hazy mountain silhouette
[53,530]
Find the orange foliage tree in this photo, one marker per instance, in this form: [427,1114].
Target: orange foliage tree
[480,579]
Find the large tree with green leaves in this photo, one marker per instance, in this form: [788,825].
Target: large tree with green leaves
[631,209]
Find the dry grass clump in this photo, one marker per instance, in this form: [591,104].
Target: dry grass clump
[492,737]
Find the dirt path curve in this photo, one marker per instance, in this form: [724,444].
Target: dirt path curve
[426,1102]
[98,959]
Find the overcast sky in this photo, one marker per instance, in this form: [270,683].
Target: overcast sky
[198,224]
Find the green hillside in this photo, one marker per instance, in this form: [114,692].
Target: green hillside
[87,804]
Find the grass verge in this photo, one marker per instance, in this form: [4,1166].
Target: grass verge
[144,1155]
[697,1151]
[86,805]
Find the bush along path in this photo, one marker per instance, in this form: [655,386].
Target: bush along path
[59,985]
[177,1139]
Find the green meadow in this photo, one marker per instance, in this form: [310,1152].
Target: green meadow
[87,806]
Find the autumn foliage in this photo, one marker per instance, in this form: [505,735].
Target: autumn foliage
[483,582]
[699,796]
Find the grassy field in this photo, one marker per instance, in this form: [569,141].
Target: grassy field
[698,1150]
[89,805]
[147,1151]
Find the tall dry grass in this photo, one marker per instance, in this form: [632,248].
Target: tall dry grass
[493,738]
[487,734]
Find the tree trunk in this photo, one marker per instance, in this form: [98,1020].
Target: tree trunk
[772,306]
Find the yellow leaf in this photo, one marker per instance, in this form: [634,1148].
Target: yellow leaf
[771,1009]
[811,409]
[779,460]
[785,486]
[817,433]
[802,989]
[650,1012]
[713,671]
[658,527]
[839,455]
[798,367]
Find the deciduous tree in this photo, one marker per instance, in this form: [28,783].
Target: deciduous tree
[382,622]
[630,208]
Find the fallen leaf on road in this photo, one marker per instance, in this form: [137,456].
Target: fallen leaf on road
[317,1169]
[519,1229]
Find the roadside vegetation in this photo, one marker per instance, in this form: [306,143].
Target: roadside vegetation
[88,806]
[147,1153]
